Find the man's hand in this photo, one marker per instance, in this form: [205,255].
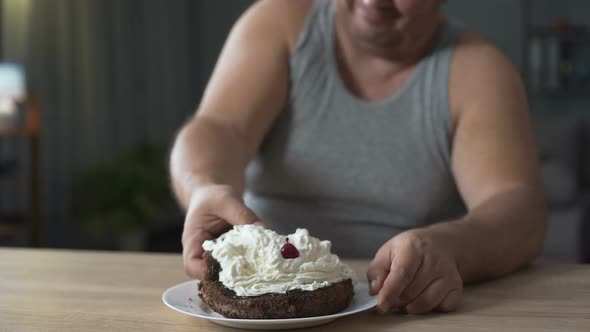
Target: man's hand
[213,209]
[416,274]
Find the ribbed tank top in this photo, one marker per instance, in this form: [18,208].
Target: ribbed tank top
[353,171]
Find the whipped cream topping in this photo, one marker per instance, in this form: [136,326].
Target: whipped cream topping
[252,264]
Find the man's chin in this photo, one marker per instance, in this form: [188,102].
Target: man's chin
[377,39]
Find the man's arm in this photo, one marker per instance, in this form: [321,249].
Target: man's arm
[244,96]
[495,165]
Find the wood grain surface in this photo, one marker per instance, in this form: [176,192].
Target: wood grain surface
[56,290]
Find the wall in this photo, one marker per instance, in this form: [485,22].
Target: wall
[498,21]
[215,19]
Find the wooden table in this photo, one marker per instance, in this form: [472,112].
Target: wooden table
[52,290]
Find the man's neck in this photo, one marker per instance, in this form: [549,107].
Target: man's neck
[393,59]
[377,73]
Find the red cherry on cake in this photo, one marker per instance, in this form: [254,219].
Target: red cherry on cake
[289,251]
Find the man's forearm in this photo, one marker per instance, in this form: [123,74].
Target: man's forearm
[206,152]
[503,234]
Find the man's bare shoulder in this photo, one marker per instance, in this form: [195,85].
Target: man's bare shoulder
[475,52]
[281,18]
[479,68]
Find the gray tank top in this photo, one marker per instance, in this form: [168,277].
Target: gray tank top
[353,171]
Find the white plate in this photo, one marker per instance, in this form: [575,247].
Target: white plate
[185,298]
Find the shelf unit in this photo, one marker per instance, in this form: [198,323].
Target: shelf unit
[575,36]
[29,220]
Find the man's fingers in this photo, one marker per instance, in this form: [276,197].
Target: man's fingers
[212,211]
[378,270]
[221,202]
[430,298]
[403,269]
[422,279]
[235,212]
[452,301]
[195,268]
[192,252]
[192,242]
[259,224]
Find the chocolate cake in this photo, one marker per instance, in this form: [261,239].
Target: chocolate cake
[293,304]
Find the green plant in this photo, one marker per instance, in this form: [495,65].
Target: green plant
[128,193]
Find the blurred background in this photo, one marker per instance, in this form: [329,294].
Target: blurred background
[93,91]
